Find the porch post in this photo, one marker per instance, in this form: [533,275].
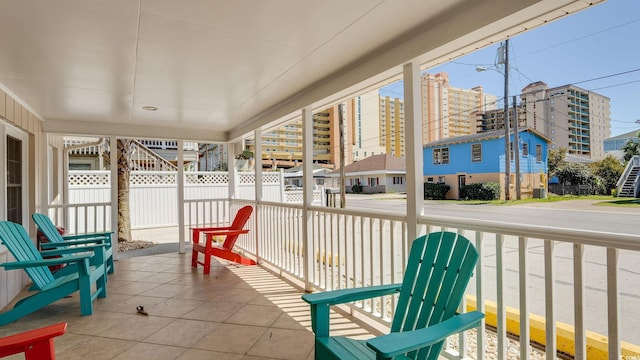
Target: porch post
[231,169]
[180,183]
[45,174]
[307,194]
[113,181]
[413,147]
[257,168]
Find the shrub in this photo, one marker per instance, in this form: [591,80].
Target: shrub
[480,191]
[356,189]
[436,191]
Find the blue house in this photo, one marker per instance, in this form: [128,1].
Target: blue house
[479,158]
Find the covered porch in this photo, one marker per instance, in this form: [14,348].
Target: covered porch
[146,89]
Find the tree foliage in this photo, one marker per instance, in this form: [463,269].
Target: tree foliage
[607,172]
[574,174]
[436,191]
[555,160]
[631,147]
[480,191]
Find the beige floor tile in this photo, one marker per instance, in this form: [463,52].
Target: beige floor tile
[182,333]
[130,287]
[258,315]
[144,351]
[195,354]
[96,348]
[165,290]
[214,311]
[136,328]
[173,307]
[231,338]
[285,321]
[160,277]
[284,344]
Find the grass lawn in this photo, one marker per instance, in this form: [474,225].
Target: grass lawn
[601,200]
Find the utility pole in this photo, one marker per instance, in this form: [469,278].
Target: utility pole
[504,59]
[516,147]
[342,179]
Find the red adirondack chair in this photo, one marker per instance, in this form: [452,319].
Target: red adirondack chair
[231,234]
[35,344]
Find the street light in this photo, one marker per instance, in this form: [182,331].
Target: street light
[503,56]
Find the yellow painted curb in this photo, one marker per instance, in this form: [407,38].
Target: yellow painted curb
[597,345]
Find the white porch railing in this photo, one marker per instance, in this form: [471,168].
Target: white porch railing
[539,270]
[563,275]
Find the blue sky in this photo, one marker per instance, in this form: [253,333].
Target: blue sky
[596,43]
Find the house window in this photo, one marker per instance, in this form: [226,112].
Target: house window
[476,152]
[430,179]
[441,156]
[525,149]
[373,181]
[441,179]
[539,153]
[398,180]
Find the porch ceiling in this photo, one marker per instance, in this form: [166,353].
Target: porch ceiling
[219,69]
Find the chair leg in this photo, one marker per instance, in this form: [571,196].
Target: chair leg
[207,264]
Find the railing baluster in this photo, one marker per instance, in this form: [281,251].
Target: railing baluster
[501,309]
[523,252]
[481,333]
[578,302]
[613,309]
[550,315]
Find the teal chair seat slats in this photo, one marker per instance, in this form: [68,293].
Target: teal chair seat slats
[49,230]
[90,281]
[437,273]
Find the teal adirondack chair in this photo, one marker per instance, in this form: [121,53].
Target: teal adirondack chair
[47,288]
[46,226]
[438,270]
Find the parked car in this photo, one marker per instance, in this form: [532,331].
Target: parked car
[292,188]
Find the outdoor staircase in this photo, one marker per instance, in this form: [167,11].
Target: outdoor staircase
[142,158]
[629,183]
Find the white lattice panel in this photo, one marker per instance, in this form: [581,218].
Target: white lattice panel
[88,178]
[246,178]
[206,178]
[271,178]
[151,178]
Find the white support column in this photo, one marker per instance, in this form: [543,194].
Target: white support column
[45,174]
[257,168]
[113,181]
[180,183]
[413,147]
[307,193]
[231,167]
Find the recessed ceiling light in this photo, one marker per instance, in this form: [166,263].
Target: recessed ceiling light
[150,108]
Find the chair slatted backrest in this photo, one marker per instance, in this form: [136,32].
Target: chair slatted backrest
[242,216]
[16,239]
[438,271]
[47,227]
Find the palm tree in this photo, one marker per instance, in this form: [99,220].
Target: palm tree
[631,147]
[124,149]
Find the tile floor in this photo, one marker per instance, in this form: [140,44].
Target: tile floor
[235,312]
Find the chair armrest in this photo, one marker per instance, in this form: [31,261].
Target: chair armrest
[98,235]
[398,343]
[49,245]
[201,229]
[46,262]
[37,339]
[210,233]
[64,249]
[349,295]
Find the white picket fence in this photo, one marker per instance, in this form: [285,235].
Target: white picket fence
[153,196]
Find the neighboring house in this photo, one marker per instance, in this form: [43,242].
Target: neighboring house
[479,158]
[376,174]
[293,176]
[617,142]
